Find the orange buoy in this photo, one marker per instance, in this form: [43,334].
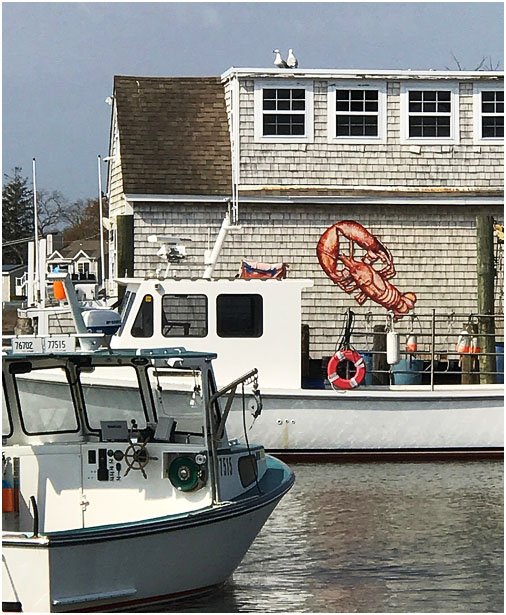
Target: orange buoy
[9,499]
[474,347]
[463,343]
[411,343]
[59,290]
[346,383]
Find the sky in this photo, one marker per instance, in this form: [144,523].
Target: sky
[59,60]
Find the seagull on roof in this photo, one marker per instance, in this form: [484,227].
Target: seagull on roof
[278,60]
[291,60]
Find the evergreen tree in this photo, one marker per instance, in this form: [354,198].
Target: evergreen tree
[17,217]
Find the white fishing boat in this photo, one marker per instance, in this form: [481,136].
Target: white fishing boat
[119,497]
[259,321]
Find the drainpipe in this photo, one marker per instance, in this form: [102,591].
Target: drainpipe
[212,259]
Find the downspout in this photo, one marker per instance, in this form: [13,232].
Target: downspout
[231,219]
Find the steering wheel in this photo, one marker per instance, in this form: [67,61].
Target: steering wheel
[136,455]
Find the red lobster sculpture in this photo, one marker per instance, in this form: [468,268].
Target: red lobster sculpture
[352,275]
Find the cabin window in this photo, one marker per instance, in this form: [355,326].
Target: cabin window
[6,415]
[239,315]
[489,113]
[124,310]
[430,115]
[283,111]
[46,403]
[357,112]
[184,315]
[109,403]
[143,324]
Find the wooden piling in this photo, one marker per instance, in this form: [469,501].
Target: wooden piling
[485,278]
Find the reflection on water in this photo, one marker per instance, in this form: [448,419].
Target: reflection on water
[406,537]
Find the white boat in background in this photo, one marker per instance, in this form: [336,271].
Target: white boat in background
[259,321]
[108,508]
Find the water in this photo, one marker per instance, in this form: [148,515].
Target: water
[366,538]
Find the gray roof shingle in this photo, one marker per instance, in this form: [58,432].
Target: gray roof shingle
[173,135]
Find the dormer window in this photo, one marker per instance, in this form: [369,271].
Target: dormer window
[356,112]
[489,113]
[283,111]
[430,113]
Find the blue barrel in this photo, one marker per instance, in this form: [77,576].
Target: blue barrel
[367,356]
[413,369]
[499,359]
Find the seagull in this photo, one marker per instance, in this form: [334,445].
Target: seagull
[291,60]
[278,60]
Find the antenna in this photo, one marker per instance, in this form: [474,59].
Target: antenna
[36,233]
[100,218]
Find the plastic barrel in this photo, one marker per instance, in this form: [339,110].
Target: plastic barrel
[499,363]
[367,356]
[413,367]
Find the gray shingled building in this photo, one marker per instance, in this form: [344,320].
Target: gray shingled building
[413,156]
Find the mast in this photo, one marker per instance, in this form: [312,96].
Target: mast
[36,235]
[100,218]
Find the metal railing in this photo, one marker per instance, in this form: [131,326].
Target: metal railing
[437,358]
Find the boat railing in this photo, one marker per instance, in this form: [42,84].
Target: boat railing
[434,347]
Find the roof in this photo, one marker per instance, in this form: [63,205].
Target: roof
[9,268]
[90,246]
[352,73]
[173,135]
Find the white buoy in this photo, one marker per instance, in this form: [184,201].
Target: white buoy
[393,348]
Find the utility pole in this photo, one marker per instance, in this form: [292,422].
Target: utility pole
[485,276]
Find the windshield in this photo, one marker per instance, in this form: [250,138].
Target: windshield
[45,401]
[112,393]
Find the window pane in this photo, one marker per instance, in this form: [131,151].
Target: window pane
[299,94]
[343,95]
[6,419]
[492,127]
[125,402]
[239,315]
[46,404]
[284,105]
[184,315]
[143,324]
[423,126]
[284,125]
[298,105]
[415,96]
[283,94]
[356,126]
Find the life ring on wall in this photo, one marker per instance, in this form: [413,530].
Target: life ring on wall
[346,383]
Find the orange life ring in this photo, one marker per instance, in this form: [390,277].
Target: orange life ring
[345,383]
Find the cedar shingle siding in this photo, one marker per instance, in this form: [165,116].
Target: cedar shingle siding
[174,135]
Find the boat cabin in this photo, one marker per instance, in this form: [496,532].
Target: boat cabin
[247,322]
[92,439]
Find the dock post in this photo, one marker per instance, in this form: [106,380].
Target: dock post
[485,279]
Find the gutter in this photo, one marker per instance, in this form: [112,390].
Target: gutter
[361,74]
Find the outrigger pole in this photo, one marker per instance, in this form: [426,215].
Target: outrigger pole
[36,234]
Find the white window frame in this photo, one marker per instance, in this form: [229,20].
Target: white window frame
[381,114]
[433,85]
[278,84]
[477,91]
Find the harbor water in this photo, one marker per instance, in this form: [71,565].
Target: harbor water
[376,537]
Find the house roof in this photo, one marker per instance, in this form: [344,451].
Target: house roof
[173,135]
[91,247]
[10,268]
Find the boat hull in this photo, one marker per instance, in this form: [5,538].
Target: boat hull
[123,566]
[379,424]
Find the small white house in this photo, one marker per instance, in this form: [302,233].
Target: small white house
[12,281]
